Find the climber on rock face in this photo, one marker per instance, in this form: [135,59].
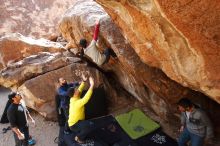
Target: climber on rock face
[91,50]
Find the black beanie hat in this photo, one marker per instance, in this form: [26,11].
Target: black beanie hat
[12,95]
[185,102]
[70,91]
[83,43]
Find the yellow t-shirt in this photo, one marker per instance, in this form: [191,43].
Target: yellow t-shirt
[77,109]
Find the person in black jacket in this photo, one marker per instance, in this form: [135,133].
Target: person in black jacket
[63,93]
[17,116]
[63,100]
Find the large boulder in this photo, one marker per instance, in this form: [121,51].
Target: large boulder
[36,78]
[36,18]
[179,37]
[39,92]
[149,85]
[17,73]
[14,47]
[150,41]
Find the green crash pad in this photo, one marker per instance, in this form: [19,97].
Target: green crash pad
[136,124]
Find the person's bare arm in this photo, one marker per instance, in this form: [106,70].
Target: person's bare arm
[91,82]
[88,94]
[31,118]
[18,132]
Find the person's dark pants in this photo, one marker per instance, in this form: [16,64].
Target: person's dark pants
[66,114]
[24,142]
[61,141]
[82,129]
[186,136]
[85,128]
[108,52]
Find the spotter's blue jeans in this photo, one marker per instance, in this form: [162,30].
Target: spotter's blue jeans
[186,136]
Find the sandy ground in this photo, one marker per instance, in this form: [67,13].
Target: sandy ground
[43,132]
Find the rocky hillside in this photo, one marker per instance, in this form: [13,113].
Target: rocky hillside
[36,18]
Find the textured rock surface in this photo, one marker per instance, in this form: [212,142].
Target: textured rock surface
[152,36]
[146,41]
[38,18]
[39,93]
[14,47]
[137,78]
[17,73]
[180,37]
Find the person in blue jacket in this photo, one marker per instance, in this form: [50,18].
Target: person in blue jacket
[63,93]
